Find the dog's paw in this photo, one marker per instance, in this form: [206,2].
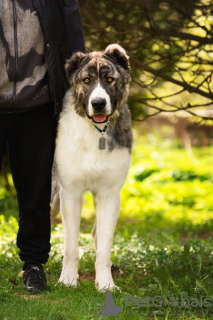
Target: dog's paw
[104,286]
[69,280]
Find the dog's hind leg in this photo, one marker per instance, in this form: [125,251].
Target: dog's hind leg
[107,208]
[71,204]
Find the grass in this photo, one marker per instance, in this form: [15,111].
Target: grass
[162,247]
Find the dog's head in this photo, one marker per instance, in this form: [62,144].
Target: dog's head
[100,82]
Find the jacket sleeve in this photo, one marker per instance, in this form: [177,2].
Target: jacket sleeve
[74,28]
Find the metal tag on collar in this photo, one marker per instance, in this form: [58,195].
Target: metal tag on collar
[102,140]
[102,143]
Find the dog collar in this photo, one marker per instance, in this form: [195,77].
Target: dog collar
[102,140]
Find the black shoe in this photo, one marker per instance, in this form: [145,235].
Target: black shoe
[34,279]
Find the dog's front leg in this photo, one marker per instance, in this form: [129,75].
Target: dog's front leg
[71,205]
[107,208]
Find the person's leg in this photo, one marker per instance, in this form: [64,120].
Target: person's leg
[3,137]
[31,151]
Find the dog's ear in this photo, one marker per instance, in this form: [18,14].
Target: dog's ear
[118,54]
[73,63]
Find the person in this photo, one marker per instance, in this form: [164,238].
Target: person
[36,38]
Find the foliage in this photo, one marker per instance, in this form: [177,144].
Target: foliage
[162,245]
[150,265]
[164,180]
[8,201]
[170,48]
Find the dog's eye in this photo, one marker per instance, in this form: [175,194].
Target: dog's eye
[87,80]
[109,79]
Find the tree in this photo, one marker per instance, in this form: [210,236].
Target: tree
[170,44]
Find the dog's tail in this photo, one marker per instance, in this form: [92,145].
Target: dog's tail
[94,234]
[55,207]
[55,200]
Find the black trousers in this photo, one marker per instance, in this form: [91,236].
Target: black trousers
[31,141]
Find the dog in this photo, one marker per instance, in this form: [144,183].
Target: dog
[93,152]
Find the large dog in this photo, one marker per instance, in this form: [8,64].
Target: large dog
[93,151]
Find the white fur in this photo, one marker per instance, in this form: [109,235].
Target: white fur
[99,92]
[82,166]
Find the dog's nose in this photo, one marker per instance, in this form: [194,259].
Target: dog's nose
[99,103]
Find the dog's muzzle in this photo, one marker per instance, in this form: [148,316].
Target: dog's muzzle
[98,104]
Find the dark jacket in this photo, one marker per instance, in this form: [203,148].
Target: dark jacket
[63,35]
[61,26]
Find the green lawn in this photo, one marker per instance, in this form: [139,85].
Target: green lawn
[162,246]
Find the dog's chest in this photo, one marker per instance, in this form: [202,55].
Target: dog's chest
[82,139]
[79,157]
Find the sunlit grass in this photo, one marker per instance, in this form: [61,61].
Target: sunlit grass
[162,244]
[164,181]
